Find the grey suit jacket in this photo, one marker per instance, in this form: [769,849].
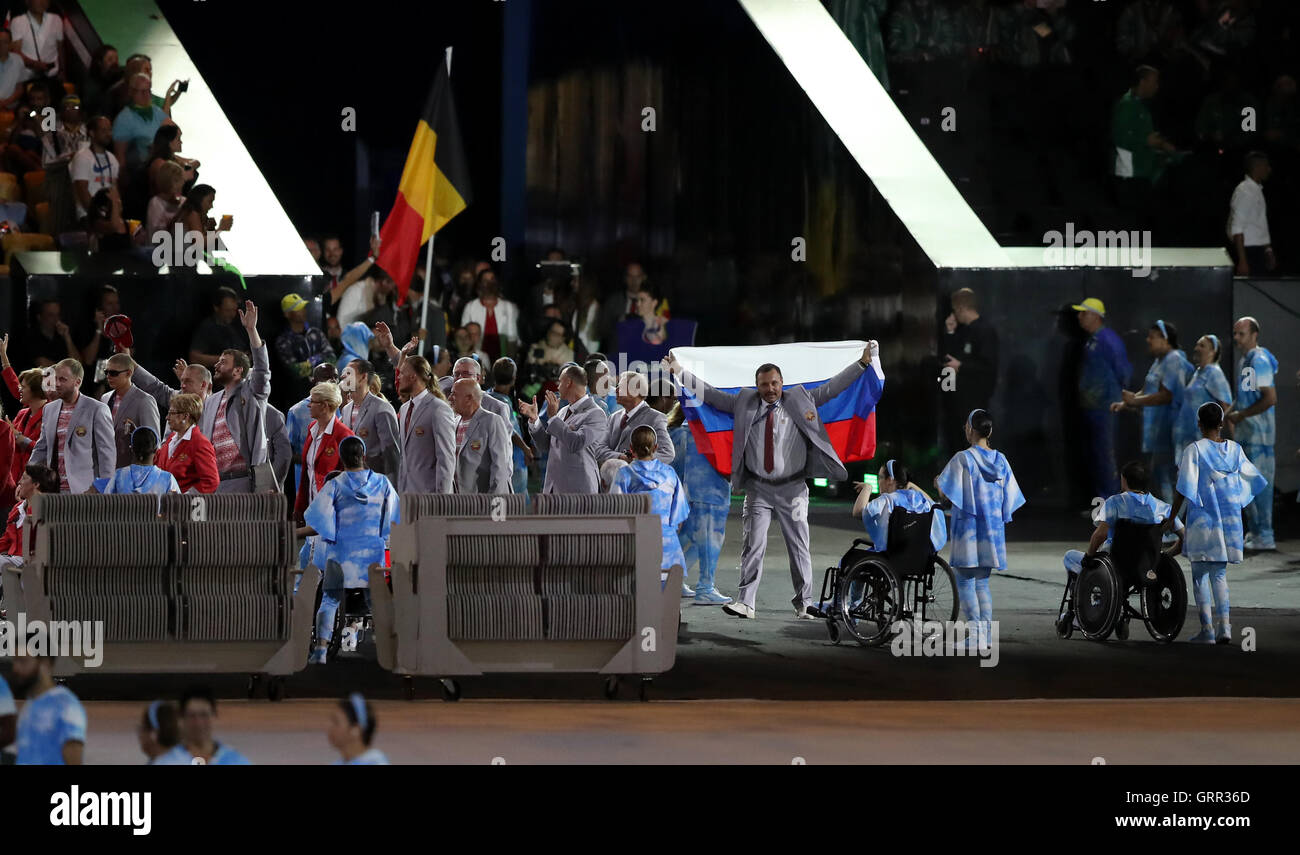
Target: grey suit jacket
[377,428]
[138,409]
[575,447]
[89,451]
[246,412]
[161,392]
[485,461]
[800,406]
[492,405]
[620,441]
[428,447]
[279,450]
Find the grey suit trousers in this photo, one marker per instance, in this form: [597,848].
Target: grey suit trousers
[789,502]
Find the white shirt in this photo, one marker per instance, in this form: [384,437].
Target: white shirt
[787,445]
[176,440]
[313,436]
[356,301]
[1247,213]
[12,72]
[409,408]
[505,312]
[99,171]
[39,41]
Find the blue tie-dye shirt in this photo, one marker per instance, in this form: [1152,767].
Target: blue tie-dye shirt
[704,486]
[47,722]
[1255,371]
[1169,372]
[875,517]
[984,494]
[369,757]
[1105,370]
[1207,384]
[1139,507]
[141,479]
[353,515]
[1218,480]
[224,756]
[667,499]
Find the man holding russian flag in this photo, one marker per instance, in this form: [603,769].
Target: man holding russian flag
[771,437]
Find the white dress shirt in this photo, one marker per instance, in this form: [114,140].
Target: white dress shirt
[409,408]
[313,437]
[1248,215]
[789,454]
[176,440]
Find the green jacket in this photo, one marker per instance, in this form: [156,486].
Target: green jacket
[1130,125]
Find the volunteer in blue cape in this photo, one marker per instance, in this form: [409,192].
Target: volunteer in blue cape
[984,494]
[1159,401]
[198,709]
[352,516]
[351,730]
[645,474]
[141,476]
[1217,480]
[1206,384]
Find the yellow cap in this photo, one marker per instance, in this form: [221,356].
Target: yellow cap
[292,303]
[1092,304]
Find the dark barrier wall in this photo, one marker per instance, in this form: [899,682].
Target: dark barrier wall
[1276,305]
[1036,420]
[164,310]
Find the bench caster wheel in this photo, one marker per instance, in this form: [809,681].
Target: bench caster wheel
[408,688]
[450,689]
[644,694]
[254,683]
[275,689]
[611,687]
[833,629]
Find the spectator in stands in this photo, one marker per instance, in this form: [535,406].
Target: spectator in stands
[131,407]
[23,153]
[313,247]
[1033,33]
[320,453]
[94,167]
[99,347]
[1282,115]
[12,71]
[474,345]
[135,126]
[586,313]
[193,214]
[220,331]
[119,94]
[298,419]
[1139,150]
[371,417]
[103,73]
[461,290]
[352,729]
[28,388]
[166,149]
[69,136]
[920,31]
[1148,27]
[573,436]
[239,433]
[52,725]
[362,288]
[186,453]
[552,352]
[141,475]
[158,730]
[166,205]
[427,427]
[1248,219]
[498,317]
[441,362]
[49,339]
[76,433]
[1228,30]
[198,708]
[1220,120]
[105,227]
[38,36]
[301,346]
[483,455]
[617,308]
[332,259]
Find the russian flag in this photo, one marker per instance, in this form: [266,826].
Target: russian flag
[850,417]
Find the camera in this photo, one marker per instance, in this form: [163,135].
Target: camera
[183,86]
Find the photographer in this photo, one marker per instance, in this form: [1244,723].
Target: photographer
[548,356]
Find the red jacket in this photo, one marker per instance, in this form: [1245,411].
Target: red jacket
[194,465]
[327,460]
[27,424]
[11,543]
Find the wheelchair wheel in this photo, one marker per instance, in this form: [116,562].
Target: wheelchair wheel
[943,593]
[1097,600]
[1164,603]
[336,640]
[869,602]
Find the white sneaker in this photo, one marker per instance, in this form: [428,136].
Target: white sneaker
[739,610]
[688,592]
[802,613]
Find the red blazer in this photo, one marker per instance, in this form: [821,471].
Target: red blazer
[195,464]
[7,453]
[29,425]
[11,543]
[327,460]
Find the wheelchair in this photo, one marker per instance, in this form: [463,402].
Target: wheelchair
[352,620]
[871,591]
[1096,602]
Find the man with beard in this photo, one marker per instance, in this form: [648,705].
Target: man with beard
[428,431]
[235,419]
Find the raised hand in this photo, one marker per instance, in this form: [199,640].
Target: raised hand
[410,345]
[671,364]
[552,402]
[178,368]
[528,410]
[248,316]
[383,335]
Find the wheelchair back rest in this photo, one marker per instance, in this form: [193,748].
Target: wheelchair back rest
[1135,548]
[909,548]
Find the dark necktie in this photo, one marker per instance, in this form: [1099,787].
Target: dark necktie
[623,426]
[769,445]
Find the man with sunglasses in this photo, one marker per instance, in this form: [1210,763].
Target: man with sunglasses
[130,405]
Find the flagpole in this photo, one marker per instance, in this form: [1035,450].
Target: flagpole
[428,265]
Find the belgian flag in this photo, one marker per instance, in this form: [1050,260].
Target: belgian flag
[434,186]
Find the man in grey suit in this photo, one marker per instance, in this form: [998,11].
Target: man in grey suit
[279,452]
[469,367]
[634,412]
[484,459]
[575,434]
[427,428]
[195,380]
[76,433]
[234,419]
[130,406]
[371,418]
[778,441]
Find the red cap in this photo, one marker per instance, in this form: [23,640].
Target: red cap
[118,330]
